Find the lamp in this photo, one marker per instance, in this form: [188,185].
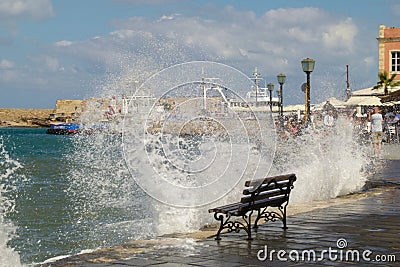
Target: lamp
[281,80]
[308,67]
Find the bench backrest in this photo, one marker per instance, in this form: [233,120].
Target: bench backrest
[274,189]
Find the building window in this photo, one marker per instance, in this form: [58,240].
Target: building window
[396,61]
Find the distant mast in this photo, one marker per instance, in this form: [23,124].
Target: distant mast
[347,82]
[257,78]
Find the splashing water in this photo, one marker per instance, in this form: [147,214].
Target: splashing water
[198,150]
[8,256]
[162,181]
[327,164]
[177,159]
[109,208]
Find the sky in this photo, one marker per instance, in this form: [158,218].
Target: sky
[76,49]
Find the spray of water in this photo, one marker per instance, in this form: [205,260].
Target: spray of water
[180,149]
[328,164]
[149,182]
[109,207]
[189,148]
[8,166]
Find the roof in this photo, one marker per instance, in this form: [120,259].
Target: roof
[375,92]
[368,92]
[365,101]
[294,108]
[355,100]
[371,101]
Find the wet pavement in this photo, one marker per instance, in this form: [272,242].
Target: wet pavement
[361,232]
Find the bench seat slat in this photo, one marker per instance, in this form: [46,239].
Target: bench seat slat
[226,208]
[276,202]
[263,187]
[239,209]
[269,179]
[266,195]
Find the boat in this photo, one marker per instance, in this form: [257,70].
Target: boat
[63,129]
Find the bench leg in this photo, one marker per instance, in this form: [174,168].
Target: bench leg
[220,218]
[233,226]
[259,216]
[284,218]
[249,226]
[271,216]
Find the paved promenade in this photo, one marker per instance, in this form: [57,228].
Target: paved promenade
[358,230]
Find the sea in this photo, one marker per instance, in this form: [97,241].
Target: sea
[48,209]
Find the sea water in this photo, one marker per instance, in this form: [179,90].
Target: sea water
[36,170]
[8,168]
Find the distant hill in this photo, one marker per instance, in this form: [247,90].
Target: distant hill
[15,117]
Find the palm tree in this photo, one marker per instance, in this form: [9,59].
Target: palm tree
[386,82]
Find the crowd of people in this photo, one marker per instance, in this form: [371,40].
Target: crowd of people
[371,127]
[320,122]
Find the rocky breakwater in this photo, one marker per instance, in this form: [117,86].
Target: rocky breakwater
[14,117]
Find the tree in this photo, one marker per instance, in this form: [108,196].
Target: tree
[385,82]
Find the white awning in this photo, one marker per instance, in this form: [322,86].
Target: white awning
[295,108]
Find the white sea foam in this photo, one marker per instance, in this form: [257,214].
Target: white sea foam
[57,258]
[327,165]
[8,256]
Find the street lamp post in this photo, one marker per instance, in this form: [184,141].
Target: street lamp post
[279,97]
[308,67]
[281,80]
[270,89]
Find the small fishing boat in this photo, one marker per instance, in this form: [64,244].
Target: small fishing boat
[63,129]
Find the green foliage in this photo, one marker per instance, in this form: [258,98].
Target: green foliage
[385,82]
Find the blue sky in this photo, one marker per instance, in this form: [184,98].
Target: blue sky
[77,49]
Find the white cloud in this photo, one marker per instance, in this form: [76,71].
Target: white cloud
[237,35]
[274,42]
[46,64]
[51,64]
[151,2]
[122,34]
[6,64]
[340,36]
[35,9]
[63,43]
[168,17]
[293,16]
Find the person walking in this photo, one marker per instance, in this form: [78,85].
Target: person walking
[376,120]
[329,119]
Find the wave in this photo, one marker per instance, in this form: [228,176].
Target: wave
[8,166]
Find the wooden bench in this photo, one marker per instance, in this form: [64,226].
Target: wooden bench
[258,195]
